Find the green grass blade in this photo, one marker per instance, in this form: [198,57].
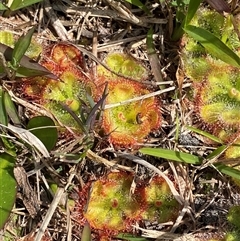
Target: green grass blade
[131,237]
[204,133]
[230,171]
[21,47]
[216,152]
[172,155]
[139,4]
[3,112]
[18,4]
[213,45]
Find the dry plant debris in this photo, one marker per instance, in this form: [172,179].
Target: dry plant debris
[100,28]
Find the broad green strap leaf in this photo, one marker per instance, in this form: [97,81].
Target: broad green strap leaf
[45,130]
[3,113]
[192,9]
[213,45]
[172,155]
[17,4]
[21,47]
[139,4]
[8,187]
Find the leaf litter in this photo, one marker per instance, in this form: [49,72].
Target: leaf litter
[205,193]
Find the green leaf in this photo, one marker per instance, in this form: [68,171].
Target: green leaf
[86,233]
[139,4]
[192,9]
[79,121]
[213,45]
[29,138]
[11,109]
[150,44]
[45,130]
[204,133]
[178,31]
[230,171]
[39,71]
[172,155]
[3,113]
[9,147]
[130,237]
[17,4]
[8,187]
[28,67]
[95,111]
[216,152]
[21,47]
[2,7]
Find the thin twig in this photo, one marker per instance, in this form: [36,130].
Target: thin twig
[115,43]
[60,191]
[94,157]
[94,51]
[142,97]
